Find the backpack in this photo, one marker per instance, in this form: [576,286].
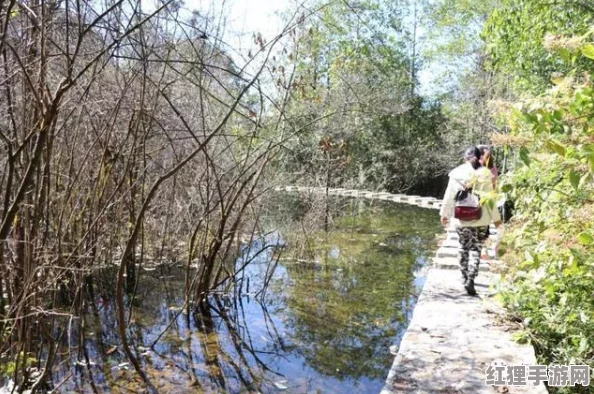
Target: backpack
[468,206]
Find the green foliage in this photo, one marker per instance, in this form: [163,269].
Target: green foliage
[549,246]
[453,53]
[588,51]
[585,238]
[516,31]
[404,148]
[454,26]
[8,368]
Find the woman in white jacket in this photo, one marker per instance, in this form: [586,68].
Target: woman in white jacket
[472,233]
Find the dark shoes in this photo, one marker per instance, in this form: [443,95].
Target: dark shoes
[469,286]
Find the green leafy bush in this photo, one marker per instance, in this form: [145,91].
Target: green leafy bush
[549,275]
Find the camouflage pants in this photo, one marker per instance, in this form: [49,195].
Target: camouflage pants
[469,254]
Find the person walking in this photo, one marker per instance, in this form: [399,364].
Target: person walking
[469,179]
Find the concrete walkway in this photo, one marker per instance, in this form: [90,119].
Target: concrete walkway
[453,337]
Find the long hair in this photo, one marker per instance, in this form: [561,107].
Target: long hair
[486,156]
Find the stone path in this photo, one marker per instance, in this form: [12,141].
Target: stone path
[425,202]
[452,337]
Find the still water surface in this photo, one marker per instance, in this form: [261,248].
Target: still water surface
[335,304]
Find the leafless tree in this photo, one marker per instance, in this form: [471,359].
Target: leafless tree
[130,137]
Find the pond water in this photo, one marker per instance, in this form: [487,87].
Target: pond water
[334,305]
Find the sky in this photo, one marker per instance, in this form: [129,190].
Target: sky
[250,16]
[246,17]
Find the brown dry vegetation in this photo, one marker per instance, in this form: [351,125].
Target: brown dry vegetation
[128,137]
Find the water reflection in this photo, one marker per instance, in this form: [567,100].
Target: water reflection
[325,324]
